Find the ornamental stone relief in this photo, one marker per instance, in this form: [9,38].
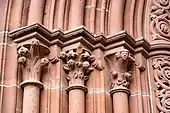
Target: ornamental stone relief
[160,20]
[120,75]
[162,80]
[77,65]
[31,60]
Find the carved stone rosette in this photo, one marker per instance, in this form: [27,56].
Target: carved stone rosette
[121,74]
[32,64]
[162,81]
[78,66]
[160,20]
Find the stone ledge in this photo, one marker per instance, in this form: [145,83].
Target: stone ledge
[93,41]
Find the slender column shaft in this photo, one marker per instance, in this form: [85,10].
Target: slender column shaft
[76,101]
[31,99]
[120,102]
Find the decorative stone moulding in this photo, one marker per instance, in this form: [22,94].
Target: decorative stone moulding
[161,67]
[81,34]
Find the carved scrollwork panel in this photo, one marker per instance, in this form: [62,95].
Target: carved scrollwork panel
[160,20]
[161,68]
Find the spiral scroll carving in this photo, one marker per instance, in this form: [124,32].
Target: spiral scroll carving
[160,20]
[162,80]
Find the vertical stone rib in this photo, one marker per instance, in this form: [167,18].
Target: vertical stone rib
[36,12]
[54,77]
[116,16]
[107,16]
[137,86]
[100,16]
[66,14]
[48,20]
[129,16]
[59,14]
[10,79]
[90,12]
[139,18]
[100,83]
[76,15]
[25,12]
[16,14]
[8,85]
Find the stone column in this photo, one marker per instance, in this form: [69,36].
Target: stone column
[77,65]
[31,63]
[120,79]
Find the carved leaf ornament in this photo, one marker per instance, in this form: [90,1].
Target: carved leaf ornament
[122,78]
[160,20]
[162,79]
[31,61]
[77,63]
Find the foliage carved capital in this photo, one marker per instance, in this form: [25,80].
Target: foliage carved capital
[77,65]
[121,73]
[31,62]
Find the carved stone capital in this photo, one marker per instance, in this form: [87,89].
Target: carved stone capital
[77,65]
[120,70]
[32,62]
[120,79]
[161,68]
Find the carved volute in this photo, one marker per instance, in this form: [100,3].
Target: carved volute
[77,65]
[121,73]
[32,61]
